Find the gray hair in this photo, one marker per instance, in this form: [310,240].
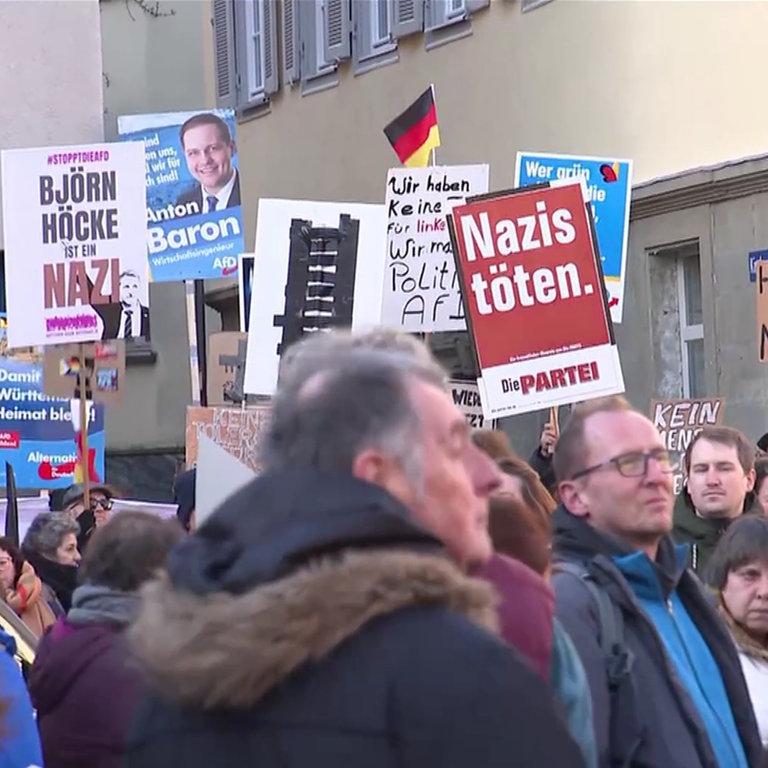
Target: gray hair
[342,394]
[47,532]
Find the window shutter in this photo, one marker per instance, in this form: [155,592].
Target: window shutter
[337,30]
[224,52]
[291,66]
[407,17]
[271,66]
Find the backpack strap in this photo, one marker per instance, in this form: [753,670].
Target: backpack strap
[619,660]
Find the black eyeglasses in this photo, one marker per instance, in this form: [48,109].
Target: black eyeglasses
[635,464]
[105,504]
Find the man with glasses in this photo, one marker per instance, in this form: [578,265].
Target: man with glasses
[666,684]
[73,503]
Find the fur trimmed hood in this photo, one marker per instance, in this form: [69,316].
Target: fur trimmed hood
[224,650]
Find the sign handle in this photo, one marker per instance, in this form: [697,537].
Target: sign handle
[554,419]
[83,402]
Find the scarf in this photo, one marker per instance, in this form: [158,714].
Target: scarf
[94,604]
[26,592]
[62,579]
[744,642]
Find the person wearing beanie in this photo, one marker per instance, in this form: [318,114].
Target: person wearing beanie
[184,497]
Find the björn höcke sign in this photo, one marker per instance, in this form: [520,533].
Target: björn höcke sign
[531,284]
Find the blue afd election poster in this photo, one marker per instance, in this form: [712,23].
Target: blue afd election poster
[194,216]
[609,184]
[36,433]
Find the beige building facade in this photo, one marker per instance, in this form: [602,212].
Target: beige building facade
[674,86]
[70,68]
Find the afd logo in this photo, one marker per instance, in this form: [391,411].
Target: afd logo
[227,265]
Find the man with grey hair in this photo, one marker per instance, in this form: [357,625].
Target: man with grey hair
[314,619]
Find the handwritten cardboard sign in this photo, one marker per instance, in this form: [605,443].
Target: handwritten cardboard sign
[103,363]
[466,396]
[679,421]
[761,269]
[421,288]
[239,431]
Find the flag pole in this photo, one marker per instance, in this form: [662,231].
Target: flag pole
[83,398]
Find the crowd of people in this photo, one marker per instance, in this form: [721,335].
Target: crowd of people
[395,588]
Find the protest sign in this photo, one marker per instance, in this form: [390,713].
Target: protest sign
[75,250]
[679,421]
[193,211]
[239,431]
[609,185]
[761,293]
[317,266]
[531,286]
[421,289]
[245,288]
[226,367]
[466,396]
[219,475]
[104,366]
[36,432]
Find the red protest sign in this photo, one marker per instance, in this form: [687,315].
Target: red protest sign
[532,290]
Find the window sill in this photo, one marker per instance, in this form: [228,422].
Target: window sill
[375,61]
[139,352]
[447,34]
[321,82]
[532,5]
[247,112]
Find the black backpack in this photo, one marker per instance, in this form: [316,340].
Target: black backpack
[619,661]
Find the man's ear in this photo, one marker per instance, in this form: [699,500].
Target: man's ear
[573,496]
[371,466]
[751,477]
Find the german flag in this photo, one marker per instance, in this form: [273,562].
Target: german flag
[414,133]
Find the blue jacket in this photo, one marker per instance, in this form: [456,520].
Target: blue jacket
[664,713]
[19,742]
[690,655]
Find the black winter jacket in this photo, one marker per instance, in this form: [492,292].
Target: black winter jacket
[309,624]
[658,726]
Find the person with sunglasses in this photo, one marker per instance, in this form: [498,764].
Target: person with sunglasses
[73,503]
[666,682]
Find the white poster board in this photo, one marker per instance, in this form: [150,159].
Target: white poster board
[75,223]
[293,294]
[421,289]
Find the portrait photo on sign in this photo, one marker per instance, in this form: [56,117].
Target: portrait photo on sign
[194,215]
[317,266]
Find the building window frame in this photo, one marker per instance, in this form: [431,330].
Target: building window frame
[245,54]
[446,21]
[689,332]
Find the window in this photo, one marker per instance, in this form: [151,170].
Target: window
[316,36]
[691,323]
[254,30]
[448,20]
[245,51]
[373,43]
[381,33]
